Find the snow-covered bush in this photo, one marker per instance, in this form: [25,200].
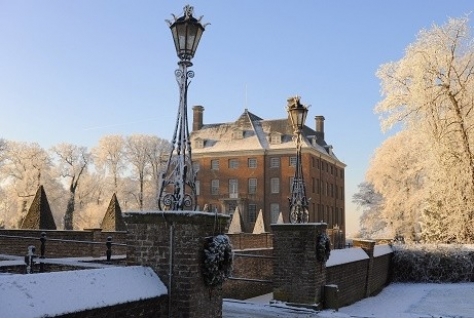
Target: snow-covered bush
[433,263]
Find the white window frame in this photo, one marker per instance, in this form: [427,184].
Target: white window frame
[252,162]
[293,161]
[215,187]
[274,162]
[252,185]
[215,164]
[234,163]
[275,185]
[233,188]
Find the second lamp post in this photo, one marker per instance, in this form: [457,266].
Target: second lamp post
[298,201]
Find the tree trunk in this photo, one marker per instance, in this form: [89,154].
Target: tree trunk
[68,216]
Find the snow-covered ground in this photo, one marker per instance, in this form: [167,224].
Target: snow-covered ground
[395,301]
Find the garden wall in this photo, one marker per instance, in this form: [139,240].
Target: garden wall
[248,241]
[359,272]
[252,274]
[56,248]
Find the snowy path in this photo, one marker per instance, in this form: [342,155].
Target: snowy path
[395,301]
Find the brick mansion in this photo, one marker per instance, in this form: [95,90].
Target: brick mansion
[250,164]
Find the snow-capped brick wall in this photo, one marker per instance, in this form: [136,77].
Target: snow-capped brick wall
[360,271]
[149,235]
[347,268]
[110,292]
[381,250]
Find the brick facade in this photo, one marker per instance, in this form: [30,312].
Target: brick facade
[252,150]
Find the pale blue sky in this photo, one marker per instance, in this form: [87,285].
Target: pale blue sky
[74,71]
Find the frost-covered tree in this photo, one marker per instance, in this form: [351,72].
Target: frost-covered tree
[137,148]
[158,149]
[92,199]
[372,222]
[25,167]
[3,148]
[72,163]
[109,154]
[430,91]
[396,172]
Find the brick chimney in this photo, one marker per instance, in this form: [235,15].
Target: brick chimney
[197,117]
[319,128]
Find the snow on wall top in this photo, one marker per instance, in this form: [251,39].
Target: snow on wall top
[345,256]
[56,293]
[380,250]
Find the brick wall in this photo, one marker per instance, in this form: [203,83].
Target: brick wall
[248,241]
[148,308]
[54,249]
[252,275]
[350,279]
[362,277]
[380,273]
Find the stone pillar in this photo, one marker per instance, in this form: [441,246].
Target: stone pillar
[298,276]
[368,246]
[172,242]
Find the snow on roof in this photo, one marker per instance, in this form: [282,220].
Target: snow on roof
[250,133]
[57,293]
[345,256]
[380,250]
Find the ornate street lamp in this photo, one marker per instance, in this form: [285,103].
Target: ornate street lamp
[178,181]
[298,202]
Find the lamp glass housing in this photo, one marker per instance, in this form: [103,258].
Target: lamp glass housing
[298,116]
[187,32]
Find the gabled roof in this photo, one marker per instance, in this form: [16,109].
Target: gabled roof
[252,133]
[39,215]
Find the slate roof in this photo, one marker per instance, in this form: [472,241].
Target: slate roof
[252,133]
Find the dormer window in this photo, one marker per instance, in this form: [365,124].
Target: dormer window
[275,138]
[198,143]
[237,134]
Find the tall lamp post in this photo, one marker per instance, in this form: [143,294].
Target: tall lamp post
[298,201]
[178,181]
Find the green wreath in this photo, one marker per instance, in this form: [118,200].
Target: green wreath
[323,248]
[217,260]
